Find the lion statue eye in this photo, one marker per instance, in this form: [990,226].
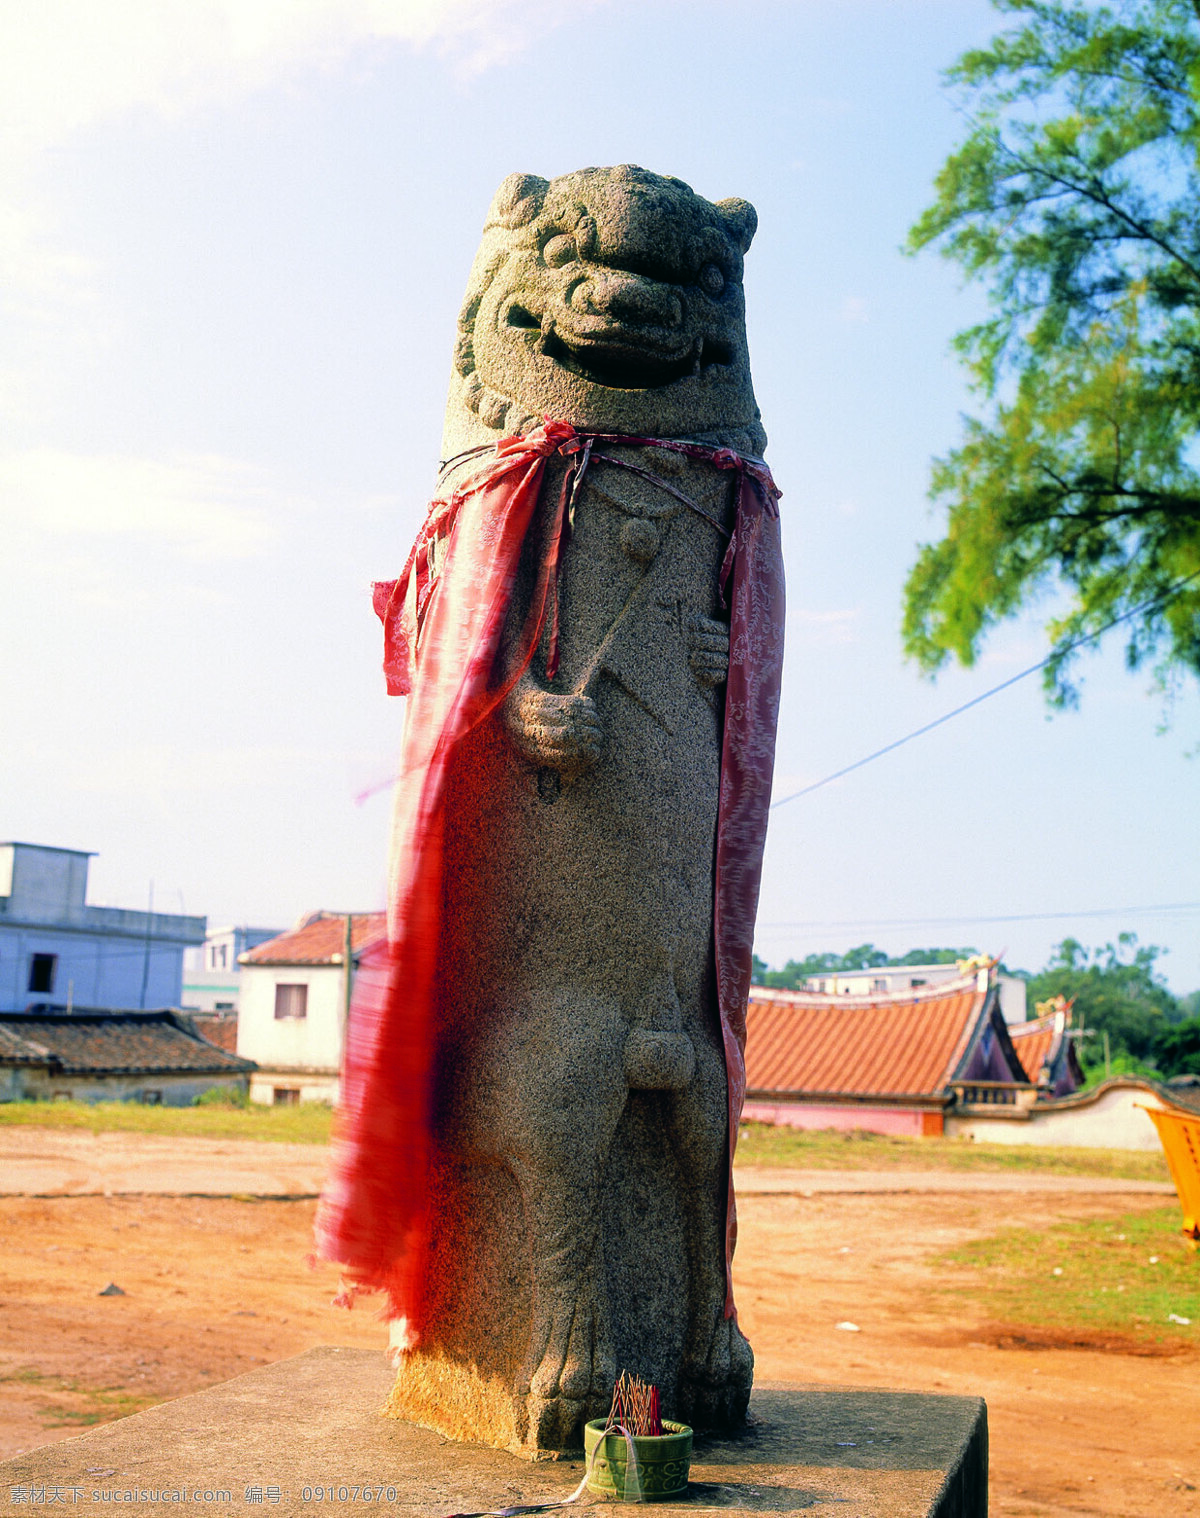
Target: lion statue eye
[559,250]
[711,280]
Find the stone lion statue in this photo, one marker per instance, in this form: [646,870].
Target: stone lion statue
[599,806]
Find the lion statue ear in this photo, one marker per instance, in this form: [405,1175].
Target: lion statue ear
[741,218]
[517,201]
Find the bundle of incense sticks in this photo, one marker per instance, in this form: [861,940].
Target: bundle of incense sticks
[635,1407]
[635,1413]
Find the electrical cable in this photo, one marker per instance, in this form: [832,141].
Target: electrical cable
[873,924]
[1052,658]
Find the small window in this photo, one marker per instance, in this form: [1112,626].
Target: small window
[41,972]
[915,981]
[224,1006]
[879,985]
[286,1096]
[291,1001]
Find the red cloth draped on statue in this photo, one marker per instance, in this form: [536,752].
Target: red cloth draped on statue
[443,621]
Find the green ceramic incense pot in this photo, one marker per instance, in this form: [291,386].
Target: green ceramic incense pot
[663,1461]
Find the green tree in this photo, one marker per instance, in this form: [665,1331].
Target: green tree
[865,957]
[1177,1049]
[1116,990]
[934,956]
[1075,200]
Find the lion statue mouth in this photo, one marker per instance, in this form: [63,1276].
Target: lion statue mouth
[629,365]
[619,357]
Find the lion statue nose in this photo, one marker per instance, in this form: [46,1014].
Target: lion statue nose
[628,298]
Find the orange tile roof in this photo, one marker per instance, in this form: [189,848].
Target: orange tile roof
[219,1029]
[318,940]
[886,1045]
[1036,1043]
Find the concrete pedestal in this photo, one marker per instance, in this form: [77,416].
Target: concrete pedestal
[305,1435]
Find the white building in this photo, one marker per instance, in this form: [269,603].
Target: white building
[295,991]
[1111,1115]
[212,975]
[57,951]
[892,980]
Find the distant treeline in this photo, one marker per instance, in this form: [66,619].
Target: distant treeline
[865,957]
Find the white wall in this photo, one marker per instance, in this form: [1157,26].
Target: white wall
[39,1085]
[312,1088]
[896,980]
[309,1043]
[1013,999]
[215,991]
[1112,1119]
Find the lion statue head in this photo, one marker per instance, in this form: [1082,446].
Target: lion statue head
[611,299]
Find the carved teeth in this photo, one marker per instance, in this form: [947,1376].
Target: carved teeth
[619,366]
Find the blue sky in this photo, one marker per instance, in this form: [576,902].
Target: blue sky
[233,239]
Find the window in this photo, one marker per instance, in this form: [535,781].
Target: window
[41,972]
[916,981]
[150,1098]
[224,1006]
[286,1096]
[291,1001]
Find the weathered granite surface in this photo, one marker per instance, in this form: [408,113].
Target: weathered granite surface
[270,1440]
[581,1114]
[610,299]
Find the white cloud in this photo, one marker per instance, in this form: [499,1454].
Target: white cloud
[67,63]
[211,507]
[822,628]
[170,769]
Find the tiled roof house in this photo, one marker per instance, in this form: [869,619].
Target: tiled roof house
[294,993]
[1047,1053]
[319,940]
[889,1063]
[218,1028]
[96,1055]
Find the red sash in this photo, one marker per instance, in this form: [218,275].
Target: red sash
[443,621]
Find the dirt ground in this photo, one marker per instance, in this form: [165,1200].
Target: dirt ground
[213,1286]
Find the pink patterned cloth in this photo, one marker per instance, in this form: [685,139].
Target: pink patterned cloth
[443,621]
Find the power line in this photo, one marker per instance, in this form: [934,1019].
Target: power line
[1052,658]
[935,922]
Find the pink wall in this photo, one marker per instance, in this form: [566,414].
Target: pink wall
[911,1121]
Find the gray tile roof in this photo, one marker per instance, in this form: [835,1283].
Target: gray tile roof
[117,1043]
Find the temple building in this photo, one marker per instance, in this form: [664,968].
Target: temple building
[888,1062]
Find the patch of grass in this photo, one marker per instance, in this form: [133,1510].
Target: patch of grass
[100,1404]
[1122,1275]
[308,1123]
[830,1149]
